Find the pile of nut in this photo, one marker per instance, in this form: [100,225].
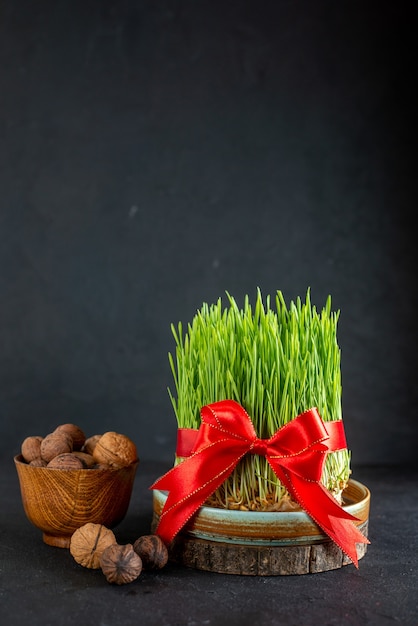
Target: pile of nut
[94,546]
[68,448]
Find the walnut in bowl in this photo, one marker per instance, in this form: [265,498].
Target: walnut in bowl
[61,496]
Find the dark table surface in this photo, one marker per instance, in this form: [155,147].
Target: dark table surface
[40,584]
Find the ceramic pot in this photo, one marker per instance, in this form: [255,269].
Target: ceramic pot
[262,543]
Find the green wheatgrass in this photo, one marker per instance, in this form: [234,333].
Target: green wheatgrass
[277,362]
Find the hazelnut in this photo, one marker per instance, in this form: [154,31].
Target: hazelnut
[115,450]
[66,461]
[152,550]
[120,564]
[75,433]
[90,444]
[88,542]
[31,448]
[54,444]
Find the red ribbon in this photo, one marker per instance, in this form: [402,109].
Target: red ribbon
[296,453]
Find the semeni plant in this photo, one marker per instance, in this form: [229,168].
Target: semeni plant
[277,363]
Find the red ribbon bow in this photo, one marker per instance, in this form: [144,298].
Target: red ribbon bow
[296,453]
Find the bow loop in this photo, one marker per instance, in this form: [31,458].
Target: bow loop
[303,432]
[227,418]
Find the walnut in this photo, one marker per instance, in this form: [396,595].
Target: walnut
[66,461]
[90,444]
[75,433]
[115,450]
[38,463]
[54,444]
[86,459]
[88,542]
[152,550]
[31,448]
[120,564]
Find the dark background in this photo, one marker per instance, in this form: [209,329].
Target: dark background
[156,154]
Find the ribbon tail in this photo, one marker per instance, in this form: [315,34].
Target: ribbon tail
[188,491]
[320,505]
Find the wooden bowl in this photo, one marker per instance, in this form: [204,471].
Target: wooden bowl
[58,501]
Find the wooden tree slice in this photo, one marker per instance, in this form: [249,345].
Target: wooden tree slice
[260,560]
